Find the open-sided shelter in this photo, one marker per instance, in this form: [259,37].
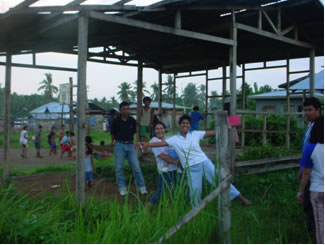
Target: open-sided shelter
[172,36]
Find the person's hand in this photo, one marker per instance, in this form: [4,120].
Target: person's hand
[300,197]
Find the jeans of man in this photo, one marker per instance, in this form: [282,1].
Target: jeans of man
[166,182]
[122,152]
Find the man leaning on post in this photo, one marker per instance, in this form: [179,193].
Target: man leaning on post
[122,131]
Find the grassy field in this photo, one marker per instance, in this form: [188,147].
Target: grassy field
[275,216]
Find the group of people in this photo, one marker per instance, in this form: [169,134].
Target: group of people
[181,152]
[67,141]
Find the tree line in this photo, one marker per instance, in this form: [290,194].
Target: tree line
[192,94]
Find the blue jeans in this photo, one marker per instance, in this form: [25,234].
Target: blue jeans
[122,152]
[165,181]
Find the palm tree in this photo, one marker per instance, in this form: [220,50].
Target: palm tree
[134,91]
[125,91]
[155,91]
[48,87]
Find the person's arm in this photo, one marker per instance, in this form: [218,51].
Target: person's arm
[167,158]
[92,164]
[304,180]
[202,116]
[146,145]
[209,133]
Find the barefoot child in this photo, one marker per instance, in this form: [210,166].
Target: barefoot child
[23,141]
[51,140]
[89,166]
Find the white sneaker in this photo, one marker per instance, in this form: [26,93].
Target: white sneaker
[165,169]
[143,190]
[123,191]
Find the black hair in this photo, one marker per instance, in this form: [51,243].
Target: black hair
[112,112]
[146,98]
[317,131]
[226,107]
[40,126]
[25,127]
[89,150]
[67,132]
[313,102]
[184,117]
[124,103]
[102,142]
[71,133]
[62,126]
[196,108]
[88,139]
[53,128]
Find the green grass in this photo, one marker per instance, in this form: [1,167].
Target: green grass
[275,217]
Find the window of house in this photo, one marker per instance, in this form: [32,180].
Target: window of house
[269,108]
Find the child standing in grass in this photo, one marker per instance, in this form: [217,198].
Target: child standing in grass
[51,140]
[89,166]
[23,141]
[37,142]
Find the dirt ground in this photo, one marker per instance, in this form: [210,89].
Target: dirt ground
[40,185]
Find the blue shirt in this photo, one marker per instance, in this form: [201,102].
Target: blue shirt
[195,118]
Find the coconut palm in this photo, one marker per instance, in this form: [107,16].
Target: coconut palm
[155,91]
[48,87]
[125,91]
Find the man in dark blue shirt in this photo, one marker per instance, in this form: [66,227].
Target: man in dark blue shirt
[196,116]
[122,131]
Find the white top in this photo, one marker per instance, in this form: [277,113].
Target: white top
[317,174]
[88,167]
[65,140]
[188,148]
[145,117]
[22,139]
[157,151]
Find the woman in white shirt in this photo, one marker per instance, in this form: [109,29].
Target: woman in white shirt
[23,141]
[192,158]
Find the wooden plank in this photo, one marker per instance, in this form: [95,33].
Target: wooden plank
[71,106]
[288,29]
[5,173]
[223,186]
[206,98]
[160,28]
[19,6]
[159,94]
[273,36]
[288,104]
[178,20]
[312,73]
[268,113]
[253,163]
[243,106]
[223,152]
[233,66]
[270,21]
[224,84]
[174,102]
[264,130]
[41,67]
[139,98]
[81,115]
[266,169]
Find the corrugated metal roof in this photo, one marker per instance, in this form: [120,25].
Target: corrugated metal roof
[164,106]
[304,84]
[280,95]
[52,110]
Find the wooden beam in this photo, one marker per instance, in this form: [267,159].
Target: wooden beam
[233,67]
[139,98]
[178,20]
[312,73]
[224,85]
[270,21]
[223,153]
[40,67]
[160,93]
[288,104]
[272,35]
[81,115]
[7,98]
[104,8]
[160,28]
[287,30]
[174,101]
[71,121]
[19,6]
[122,2]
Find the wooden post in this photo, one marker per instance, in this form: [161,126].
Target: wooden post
[224,84]
[62,110]
[139,97]
[81,108]
[71,106]
[5,173]
[312,73]
[243,107]
[224,160]
[160,95]
[206,98]
[174,102]
[233,77]
[288,105]
[264,129]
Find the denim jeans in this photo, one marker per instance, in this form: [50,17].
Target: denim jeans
[165,181]
[194,177]
[122,152]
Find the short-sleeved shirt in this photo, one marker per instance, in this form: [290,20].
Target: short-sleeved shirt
[50,136]
[157,151]
[37,139]
[188,148]
[195,119]
[88,167]
[22,139]
[66,140]
[123,130]
[313,157]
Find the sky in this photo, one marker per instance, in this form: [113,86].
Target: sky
[103,79]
